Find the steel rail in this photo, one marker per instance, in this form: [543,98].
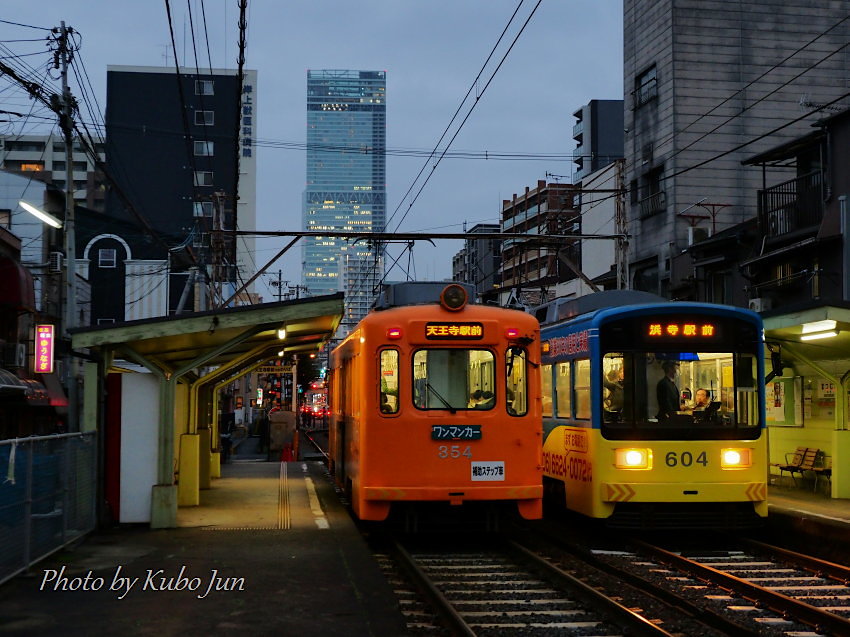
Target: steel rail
[636,623]
[777,602]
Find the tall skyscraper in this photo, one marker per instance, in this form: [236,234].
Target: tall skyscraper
[346,185]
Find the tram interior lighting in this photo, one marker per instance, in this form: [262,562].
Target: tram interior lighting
[633,458]
[280,353]
[735,459]
[281,332]
[819,326]
[818,335]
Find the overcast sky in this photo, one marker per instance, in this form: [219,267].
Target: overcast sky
[569,53]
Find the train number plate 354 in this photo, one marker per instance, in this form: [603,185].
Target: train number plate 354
[455,432]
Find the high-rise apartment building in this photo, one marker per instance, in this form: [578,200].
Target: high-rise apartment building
[707,86]
[175,146]
[598,133]
[42,157]
[346,185]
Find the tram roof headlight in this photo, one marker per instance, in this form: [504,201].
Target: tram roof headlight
[454,297]
[738,458]
[633,458]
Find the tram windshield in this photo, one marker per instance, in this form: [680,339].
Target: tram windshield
[699,391]
[454,379]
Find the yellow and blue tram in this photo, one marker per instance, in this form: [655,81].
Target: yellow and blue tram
[653,411]
[435,407]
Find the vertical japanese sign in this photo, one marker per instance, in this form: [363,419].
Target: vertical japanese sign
[44,349]
[247,137]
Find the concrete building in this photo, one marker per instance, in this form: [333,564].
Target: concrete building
[705,83]
[598,133]
[346,185]
[42,157]
[479,262]
[532,268]
[175,149]
[599,209]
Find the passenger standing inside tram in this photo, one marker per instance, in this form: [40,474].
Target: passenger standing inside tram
[667,392]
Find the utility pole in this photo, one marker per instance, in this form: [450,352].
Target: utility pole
[69,319]
[621,246]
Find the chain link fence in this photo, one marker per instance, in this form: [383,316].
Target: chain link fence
[47,496]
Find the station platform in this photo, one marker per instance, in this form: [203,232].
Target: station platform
[271,550]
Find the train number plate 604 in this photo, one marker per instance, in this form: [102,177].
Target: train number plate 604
[455,432]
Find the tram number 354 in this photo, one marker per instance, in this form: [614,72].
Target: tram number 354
[454,451]
[685,459]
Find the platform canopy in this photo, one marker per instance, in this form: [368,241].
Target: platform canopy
[218,336]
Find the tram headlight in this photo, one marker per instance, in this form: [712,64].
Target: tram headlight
[736,458]
[633,458]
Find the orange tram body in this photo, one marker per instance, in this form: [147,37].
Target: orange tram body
[435,402]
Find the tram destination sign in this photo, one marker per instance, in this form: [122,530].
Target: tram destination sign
[681,330]
[454,331]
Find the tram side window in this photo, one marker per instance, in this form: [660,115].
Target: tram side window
[546,390]
[389,381]
[563,391]
[516,387]
[613,386]
[582,388]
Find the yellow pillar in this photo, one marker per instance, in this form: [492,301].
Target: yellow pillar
[188,486]
[204,468]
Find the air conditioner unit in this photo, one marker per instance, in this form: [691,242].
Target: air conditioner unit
[759,304]
[14,355]
[54,263]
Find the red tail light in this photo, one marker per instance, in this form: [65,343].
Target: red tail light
[511,332]
[394,333]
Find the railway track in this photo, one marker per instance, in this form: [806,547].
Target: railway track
[506,590]
[769,586]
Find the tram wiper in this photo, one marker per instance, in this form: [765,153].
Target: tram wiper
[442,400]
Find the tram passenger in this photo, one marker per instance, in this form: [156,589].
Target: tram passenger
[488,400]
[701,399]
[475,399]
[667,392]
[614,384]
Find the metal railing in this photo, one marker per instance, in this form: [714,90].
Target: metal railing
[792,205]
[47,496]
[653,204]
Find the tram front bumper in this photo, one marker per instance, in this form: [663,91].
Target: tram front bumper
[683,492]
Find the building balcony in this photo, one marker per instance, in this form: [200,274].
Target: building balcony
[793,205]
[654,204]
[578,128]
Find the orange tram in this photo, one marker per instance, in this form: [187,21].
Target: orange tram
[435,407]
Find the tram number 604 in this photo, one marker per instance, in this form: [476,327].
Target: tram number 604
[685,459]
[454,451]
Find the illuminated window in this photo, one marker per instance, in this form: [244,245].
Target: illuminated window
[546,389]
[389,399]
[32,166]
[582,388]
[562,389]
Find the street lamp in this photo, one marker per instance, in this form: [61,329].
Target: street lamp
[47,218]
